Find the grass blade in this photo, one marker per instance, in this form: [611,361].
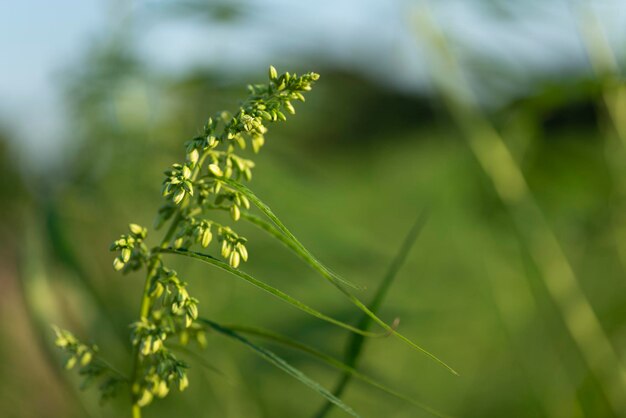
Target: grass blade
[283,365]
[268,288]
[330,360]
[297,246]
[355,343]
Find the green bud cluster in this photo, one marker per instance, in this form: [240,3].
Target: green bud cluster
[172,313]
[171,301]
[163,372]
[133,252]
[178,183]
[196,186]
[233,246]
[192,189]
[91,367]
[78,351]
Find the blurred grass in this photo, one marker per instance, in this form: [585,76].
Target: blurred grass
[543,246]
[470,291]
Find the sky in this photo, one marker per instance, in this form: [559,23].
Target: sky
[41,40]
[38,40]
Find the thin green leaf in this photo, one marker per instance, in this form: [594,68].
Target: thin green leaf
[274,232]
[295,244]
[326,272]
[283,365]
[268,288]
[356,343]
[331,361]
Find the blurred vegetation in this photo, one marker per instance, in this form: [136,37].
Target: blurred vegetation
[473,291]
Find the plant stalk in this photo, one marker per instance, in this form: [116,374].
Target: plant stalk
[144,309]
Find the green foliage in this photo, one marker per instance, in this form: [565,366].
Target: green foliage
[345,368]
[356,343]
[283,365]
[210,179]
[91,366]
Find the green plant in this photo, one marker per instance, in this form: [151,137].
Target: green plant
[210,179]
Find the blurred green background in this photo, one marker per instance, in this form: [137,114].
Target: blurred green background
[505,121]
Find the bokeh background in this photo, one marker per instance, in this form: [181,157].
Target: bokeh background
[506,121]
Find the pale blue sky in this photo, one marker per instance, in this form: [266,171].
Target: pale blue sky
[41,39]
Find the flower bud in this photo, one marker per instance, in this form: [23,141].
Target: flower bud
[156,345]
[60,341]
[273,73]
[235,213]
[243,252]
[157,290]
[162,390]
[206,238]
[226,249]
[183,382]
[146,345]
[179,196]
[136,229]
[118,264]
[86,358]
[71,362]
[145,399]
[126,252]
[193,156]
[234,259]
[290,108]
[215,170]
[192,309]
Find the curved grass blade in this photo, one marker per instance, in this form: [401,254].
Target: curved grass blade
[283,365]
[331,361]
[326,272]
[356,343]
[270,289]
[295,244]
[274,232]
